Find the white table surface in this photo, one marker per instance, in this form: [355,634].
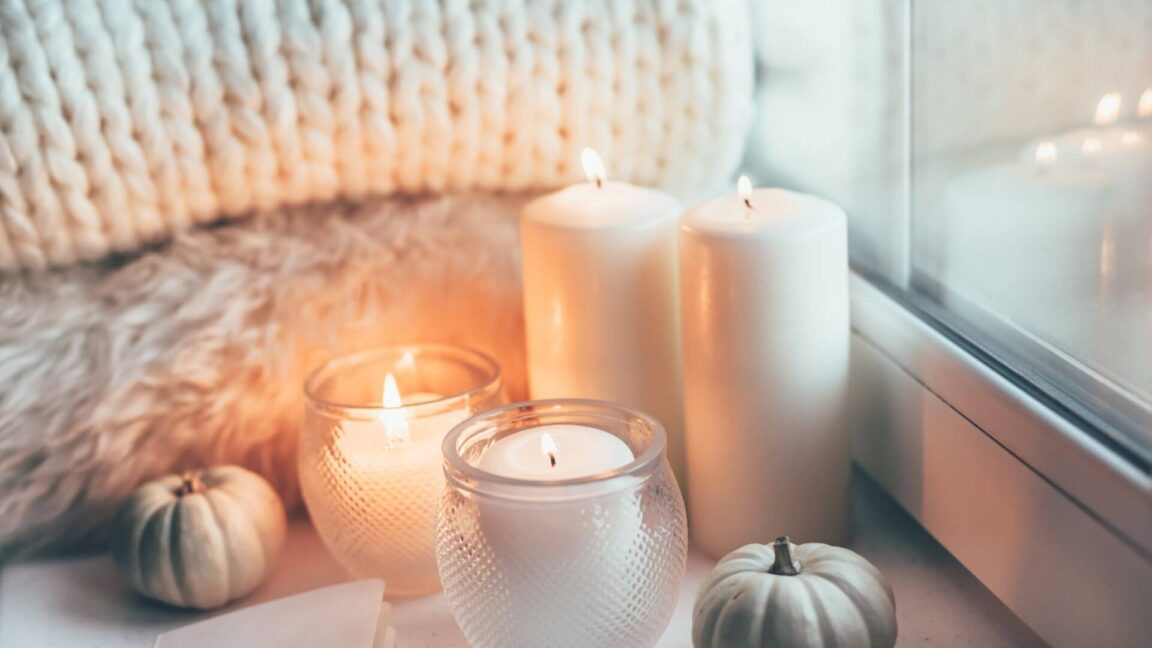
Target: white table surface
[79,603]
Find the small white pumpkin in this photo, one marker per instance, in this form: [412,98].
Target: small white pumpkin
[201,539]
[811,596]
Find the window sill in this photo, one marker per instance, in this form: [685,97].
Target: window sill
[1042,514]
[78,602]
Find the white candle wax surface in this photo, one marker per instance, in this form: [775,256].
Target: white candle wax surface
[775,214]
[764,293]
[576,451]
[600,300]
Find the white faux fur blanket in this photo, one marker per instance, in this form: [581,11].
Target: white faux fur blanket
[123,121]
[195,354]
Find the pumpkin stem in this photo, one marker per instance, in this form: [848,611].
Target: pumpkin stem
[784,564]
[191,484]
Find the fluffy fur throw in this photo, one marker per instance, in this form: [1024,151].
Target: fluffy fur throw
[195,354]
[122,122]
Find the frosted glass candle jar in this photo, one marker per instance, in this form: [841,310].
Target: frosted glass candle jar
[592,557]
[370,460]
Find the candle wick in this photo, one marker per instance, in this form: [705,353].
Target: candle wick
[552,459]
[599,184]
[748,203]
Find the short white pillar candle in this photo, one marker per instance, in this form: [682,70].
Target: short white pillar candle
[600,309]
[764,283]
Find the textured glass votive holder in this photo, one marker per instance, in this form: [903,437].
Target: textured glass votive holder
[591,561]
[371,475]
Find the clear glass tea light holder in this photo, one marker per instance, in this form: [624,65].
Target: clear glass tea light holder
[589,561]
[370,460]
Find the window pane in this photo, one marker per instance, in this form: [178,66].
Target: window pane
[1031,182]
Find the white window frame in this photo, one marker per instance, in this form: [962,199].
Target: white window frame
[1049,519]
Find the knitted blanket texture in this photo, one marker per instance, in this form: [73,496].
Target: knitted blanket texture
[123,121]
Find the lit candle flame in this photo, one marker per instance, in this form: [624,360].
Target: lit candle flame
[1090,146]
[1144,107]
[593,166]
[395,422]
[744,189]
[390,395]
[548,445]
[1108,110]
[1046,154]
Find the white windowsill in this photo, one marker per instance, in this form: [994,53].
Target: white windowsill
[78,602]
[1043,515]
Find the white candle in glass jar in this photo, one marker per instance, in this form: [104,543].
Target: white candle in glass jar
[543,537]
[600,298]
[764,294]
[394,460]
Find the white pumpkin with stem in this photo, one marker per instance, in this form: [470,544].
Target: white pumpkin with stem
[808,596]
[201,539]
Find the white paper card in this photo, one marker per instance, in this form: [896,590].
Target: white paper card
[341,615]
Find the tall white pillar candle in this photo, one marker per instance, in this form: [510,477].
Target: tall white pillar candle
[600,298]
[764,290]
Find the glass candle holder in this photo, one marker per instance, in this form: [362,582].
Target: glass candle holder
[370,456]
[591,560]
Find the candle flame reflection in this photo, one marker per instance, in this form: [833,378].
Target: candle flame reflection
[548,445]
[395,422]
[1046,154]
[1144,107]
[1091,146]
[593,166]
[1108,110]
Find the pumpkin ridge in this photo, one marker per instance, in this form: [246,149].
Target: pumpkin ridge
[148,507]
[259,524]
[254,526]
[834,562]
[766,627]
[175,553]
[212,543]
[229,573]
[821,615]
[765,604]
[861,602]
[166,560]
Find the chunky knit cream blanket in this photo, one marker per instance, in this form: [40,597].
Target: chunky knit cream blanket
[122,121]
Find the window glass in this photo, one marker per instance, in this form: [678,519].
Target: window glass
[1031,194]
[995,161]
